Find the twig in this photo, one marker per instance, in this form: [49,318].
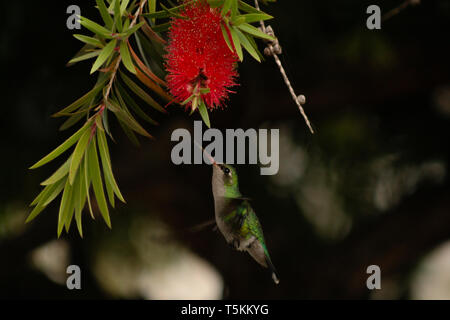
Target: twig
[119,59]
[274,49]
[400,8]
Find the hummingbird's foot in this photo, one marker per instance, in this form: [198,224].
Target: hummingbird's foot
[235,244]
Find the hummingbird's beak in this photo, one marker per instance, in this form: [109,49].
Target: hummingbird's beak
[211,159]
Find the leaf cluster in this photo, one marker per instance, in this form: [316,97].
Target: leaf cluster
[127,50]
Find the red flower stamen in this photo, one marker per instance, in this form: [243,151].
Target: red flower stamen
[198,56]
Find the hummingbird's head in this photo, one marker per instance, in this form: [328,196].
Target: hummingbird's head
[225,181]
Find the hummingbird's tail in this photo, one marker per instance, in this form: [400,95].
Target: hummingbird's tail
[275,277]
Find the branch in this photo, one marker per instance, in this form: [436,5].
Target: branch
[400,8]
[274,49]
[119,59]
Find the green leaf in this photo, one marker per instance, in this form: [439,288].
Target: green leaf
[106,52]
[78,154]
[126,100]
[46,196]
[161,27]
[59,150]
[86,56]
[117,16]
[226,7]
[172,13]
[39,196]
[254,45]
[106,163]
[247,45]
[238,20]
[226,36]
[141,93]
[70,211]
[248,28]
[152,8]
[81,195]
[237,43]
[97,184]
[124,6]
[54,192]
[105,14]
[204,113]
[89,40]
[81,101]
[106,122]
[128,120]
[247,8]
[126,57]
[96,28]
[87,182]
[71,121]
[132,30]
[234,8]
[255,17]
[130,134]
[64,206]
[185,102]
[79,199]
[163,13]
[59,174]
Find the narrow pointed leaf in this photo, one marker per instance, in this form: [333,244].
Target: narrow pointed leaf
[105,14]
[80,198]
[226,36]
[87,182]
[97,184]
[141,93]
[132,30]
[247,45]
[59,174]
[89,40]
[44,198]
[123,6]
[248,28]
[81,101]
[130,134]
[117,16]
[86,56]
[126,99]
[126,58]
[55,191]
[71,121]
[237,43]
[145,69]
[204,113]
[226,6]
[106,52]
[247,8]
[64,206]
[106,163]
[130,122]
[78,154]
[255,17]
[59,150]
[95,27]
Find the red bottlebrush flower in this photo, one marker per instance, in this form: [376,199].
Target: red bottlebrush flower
[198,56]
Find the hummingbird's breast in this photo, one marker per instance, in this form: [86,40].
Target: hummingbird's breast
[220,214]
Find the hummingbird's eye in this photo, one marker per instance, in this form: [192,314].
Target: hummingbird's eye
[226,171]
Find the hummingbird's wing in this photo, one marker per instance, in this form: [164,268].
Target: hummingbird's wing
[202,225]
[258,249]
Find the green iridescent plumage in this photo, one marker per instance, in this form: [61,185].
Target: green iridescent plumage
[236,219]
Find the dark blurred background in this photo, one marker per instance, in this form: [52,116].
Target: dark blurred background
[371,187]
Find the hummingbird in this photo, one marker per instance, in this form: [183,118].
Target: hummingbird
[235,217]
